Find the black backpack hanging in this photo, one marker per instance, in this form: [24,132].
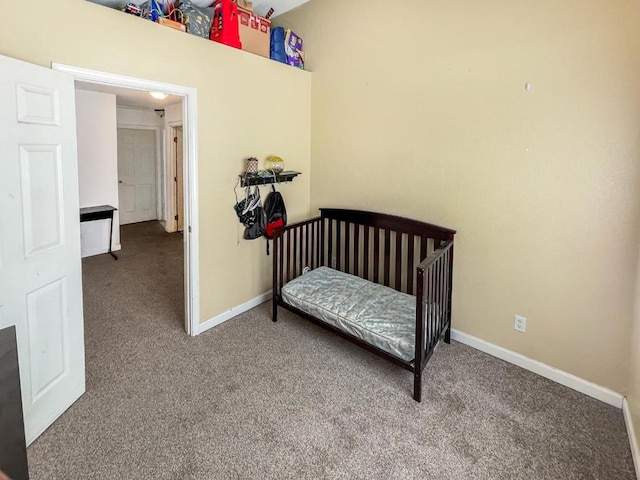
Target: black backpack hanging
[275,212]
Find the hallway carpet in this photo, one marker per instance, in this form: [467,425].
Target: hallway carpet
[251,399]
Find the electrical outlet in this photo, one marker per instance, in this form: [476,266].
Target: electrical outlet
[520,324]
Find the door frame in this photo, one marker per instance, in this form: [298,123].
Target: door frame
[190,173]
[172,194]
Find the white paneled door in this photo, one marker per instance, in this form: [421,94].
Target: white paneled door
[137,175]
[40,272]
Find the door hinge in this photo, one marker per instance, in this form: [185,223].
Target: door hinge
[176,217]
[175,139]
[189,228]
[175,179]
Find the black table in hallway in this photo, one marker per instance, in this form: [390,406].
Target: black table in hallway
[101,212]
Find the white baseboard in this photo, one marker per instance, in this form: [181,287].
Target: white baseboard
[568,380]
[232,312]
[633,441]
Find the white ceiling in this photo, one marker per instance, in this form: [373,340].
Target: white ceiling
[261,7]
[130,97]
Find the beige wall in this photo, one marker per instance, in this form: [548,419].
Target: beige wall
[247,105]
[419,109]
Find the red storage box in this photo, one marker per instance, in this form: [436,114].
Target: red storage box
[224,28]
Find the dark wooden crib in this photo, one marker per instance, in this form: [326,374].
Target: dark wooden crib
[410,256]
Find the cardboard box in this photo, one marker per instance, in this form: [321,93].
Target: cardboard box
[255,33]
[248,6]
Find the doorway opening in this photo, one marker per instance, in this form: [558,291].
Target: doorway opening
[154,183]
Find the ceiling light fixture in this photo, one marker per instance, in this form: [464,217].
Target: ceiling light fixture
[158,95]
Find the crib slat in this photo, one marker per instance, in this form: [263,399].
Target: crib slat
[447,263]
[276,280]
[423,247]
[320,244]
[449,288]
[356,249]
[410,261]
[387,256]
[434,300]
[312,253]
[281,260]
[295,252]
[444,291]
[440,294]
[329,241]
[300,243]
[288,255]
[434,320]
[347,247]
[365,268]
[318,234]
[376,254]
[306,245]
[338,245]
[434,281]
[398,284]
[429,307]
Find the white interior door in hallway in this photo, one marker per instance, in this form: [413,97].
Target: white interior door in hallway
[137,175]
[40,270]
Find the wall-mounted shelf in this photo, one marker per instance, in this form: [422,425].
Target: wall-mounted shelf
[250,179]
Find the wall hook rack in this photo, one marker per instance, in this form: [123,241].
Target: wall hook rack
[266,178]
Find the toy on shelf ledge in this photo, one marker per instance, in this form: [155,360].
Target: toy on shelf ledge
[274,164]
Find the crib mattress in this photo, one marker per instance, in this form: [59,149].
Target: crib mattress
[376,314]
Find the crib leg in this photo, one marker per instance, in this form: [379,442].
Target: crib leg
[417,386]
[447,334]
[274,311]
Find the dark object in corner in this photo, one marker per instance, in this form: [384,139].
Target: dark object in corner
[13,448]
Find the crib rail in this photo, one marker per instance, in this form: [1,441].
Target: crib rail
[381,248]
[433,306]
[295,247]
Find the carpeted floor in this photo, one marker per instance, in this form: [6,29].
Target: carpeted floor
[251,399]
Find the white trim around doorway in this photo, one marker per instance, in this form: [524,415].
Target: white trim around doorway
[190,135]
